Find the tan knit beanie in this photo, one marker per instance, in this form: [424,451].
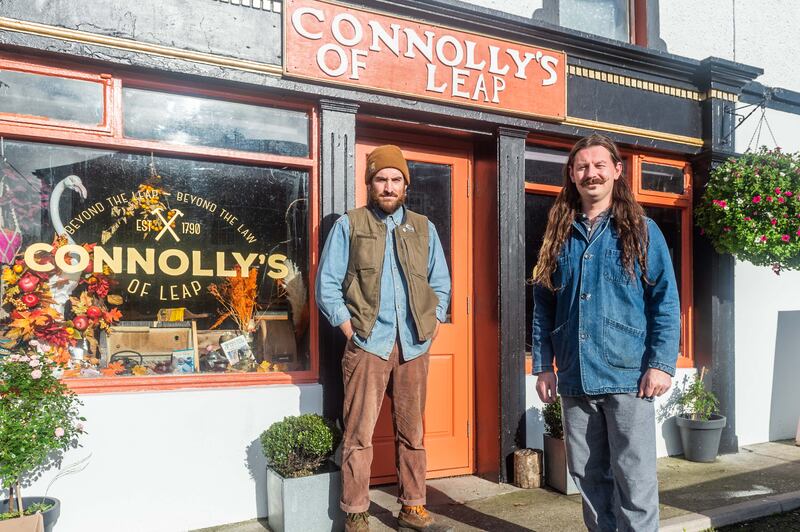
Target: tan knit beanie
[386,156]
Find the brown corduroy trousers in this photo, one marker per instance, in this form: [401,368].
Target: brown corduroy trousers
[366,378]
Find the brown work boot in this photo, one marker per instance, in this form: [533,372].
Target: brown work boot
[418,518]
[357,522]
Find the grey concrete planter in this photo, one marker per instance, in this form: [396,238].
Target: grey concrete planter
[50,516]
[556,474]
[306,503]
[700,439]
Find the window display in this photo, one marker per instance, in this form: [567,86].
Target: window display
[137,264]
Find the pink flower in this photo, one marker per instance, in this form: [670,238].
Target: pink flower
[747,218]
[36,374]
[34,363]
[788,193]
[785,238]
[79,426]
[59,432]
[781,200]
[756,199]
[763,238]
[769,198]
[798,232]
[777,190]
[773,221]
[726,229]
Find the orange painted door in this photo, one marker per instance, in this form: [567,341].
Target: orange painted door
[440,176]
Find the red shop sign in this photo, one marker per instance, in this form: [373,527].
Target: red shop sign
[348,46]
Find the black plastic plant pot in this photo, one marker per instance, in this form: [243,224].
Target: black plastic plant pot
[700,438]
[49,516]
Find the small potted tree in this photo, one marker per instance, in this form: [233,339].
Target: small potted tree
[556,474]
[39,420]
[699,422]
[303,484]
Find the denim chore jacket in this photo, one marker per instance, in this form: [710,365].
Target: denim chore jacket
[602,328]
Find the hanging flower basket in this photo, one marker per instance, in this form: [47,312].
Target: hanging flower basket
[751,209]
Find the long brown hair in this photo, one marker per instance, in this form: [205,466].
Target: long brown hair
[627,217]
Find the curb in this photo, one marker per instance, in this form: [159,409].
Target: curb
[735,513]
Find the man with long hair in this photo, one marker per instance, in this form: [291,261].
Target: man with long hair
[383,280]
[607,316]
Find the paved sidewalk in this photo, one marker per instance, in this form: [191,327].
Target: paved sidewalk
[760,480]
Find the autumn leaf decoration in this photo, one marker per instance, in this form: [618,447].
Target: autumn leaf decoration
[237,296]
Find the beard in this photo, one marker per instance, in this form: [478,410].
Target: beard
[388,203]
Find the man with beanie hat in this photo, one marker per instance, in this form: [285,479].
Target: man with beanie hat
[383,280]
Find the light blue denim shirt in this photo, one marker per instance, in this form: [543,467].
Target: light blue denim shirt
[603,328]
[394,315]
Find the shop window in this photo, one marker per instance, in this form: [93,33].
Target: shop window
[44,98]
[165,233]
[662,178]
[196,121]
[662,186]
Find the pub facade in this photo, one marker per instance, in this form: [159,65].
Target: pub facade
[190,157]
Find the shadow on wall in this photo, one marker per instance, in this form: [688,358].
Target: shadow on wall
[256,462]
[785,403]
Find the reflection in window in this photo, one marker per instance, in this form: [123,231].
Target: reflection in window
[50,97]
[537,207]
[165,230]
[669,221]
[607,18]
[197,121]
[662,178]
[430,194]
[545,165]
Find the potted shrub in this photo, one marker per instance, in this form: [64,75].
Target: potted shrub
[699,422]
[39,420]
[556,474]
[303,484]
[751,209]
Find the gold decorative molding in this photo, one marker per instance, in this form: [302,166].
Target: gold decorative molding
[83,37]
[650,86]
[635,131]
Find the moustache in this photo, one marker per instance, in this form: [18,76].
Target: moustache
[388,195]
[593,181]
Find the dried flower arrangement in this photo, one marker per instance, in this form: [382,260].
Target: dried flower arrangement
[237,295]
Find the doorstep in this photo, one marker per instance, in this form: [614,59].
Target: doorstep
[759,480]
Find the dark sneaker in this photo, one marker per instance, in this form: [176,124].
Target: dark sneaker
[357,522]
[417,518]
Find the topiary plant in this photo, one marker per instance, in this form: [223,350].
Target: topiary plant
[696,402]
[551,413]
[299,445]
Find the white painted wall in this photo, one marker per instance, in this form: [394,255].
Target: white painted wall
[752,32]
[174,460]
[521,8]
[668,441]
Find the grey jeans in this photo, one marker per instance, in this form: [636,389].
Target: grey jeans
[611,455]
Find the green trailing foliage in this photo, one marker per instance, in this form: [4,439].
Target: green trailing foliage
[697,402]
[551,413]
[751,209]
[299,445]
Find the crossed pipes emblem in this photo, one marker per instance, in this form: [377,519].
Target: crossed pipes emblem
[168,224]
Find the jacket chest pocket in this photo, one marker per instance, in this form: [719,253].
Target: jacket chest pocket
[365,251]
[563,272]
[614,270]
[412,248]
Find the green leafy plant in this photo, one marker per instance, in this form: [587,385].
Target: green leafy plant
[29,510]
[39,419]
[551,413]
[299,445]
[697,402]
[751,209]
